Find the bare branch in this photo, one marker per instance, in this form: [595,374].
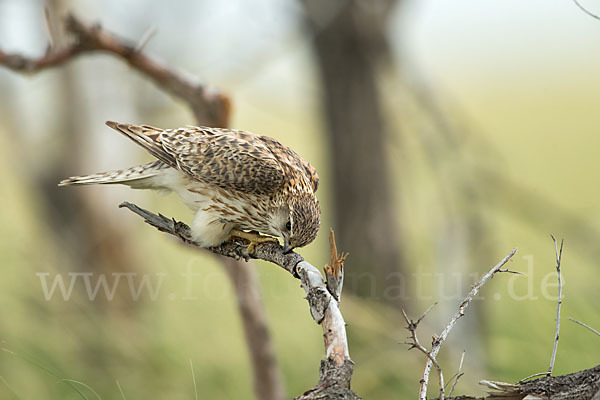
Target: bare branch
[209,107]
[323,306]
[426,312]
[458,374]
[415,344]
[269,251]
[438,341]
[532,376]
[585,326]
[558,260]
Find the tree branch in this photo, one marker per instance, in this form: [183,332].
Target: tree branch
[209,107]
[439,341]
[558,254]
[336,370]
[415,344]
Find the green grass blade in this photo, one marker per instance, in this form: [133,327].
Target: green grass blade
[194,380]
[54,372]
[121,391]
[12,392]
[84,385]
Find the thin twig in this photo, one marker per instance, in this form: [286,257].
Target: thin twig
[438,341]
[532,376]
[510,271]
[426,312]
[458,374]
[415,344]
[49,31]
[585,326]
[558,260]
[582,8]
[148,34]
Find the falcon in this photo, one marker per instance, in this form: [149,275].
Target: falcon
[238,183]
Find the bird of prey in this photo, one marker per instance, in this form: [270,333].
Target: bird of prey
[238,183]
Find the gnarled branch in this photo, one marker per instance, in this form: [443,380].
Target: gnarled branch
[336,370]
[209,106]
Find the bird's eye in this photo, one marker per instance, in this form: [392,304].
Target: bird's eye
[288,226]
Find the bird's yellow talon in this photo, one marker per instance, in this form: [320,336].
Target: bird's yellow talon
[253,238]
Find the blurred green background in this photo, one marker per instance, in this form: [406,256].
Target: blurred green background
[491,142]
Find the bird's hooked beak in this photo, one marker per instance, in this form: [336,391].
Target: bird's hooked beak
[287,246]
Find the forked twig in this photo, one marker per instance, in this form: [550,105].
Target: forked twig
[415,344]
[439,341]
[558,306]
[458,374]
[558,255]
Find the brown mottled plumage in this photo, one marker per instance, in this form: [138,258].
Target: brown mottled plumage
[234,180]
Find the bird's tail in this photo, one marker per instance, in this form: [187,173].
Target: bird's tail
[139,177]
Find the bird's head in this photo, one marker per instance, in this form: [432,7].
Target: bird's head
[298,223]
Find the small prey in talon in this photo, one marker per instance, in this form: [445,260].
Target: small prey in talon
[239,184]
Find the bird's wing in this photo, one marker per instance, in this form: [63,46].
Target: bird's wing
[214,156]
[311,172]
[289,156]
[146,136]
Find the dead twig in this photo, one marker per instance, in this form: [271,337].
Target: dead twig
[336,370]
[49,31]
[334,271]
[558,254]
[532,376]
[148,34]
[458,374]
[585,326]
[415,344]
[439,341]
[582,8]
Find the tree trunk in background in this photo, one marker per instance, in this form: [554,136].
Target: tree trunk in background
[87,235]
[350,44]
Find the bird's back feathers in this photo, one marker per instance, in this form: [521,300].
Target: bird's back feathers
[227,158]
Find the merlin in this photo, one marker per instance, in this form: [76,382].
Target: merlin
[238,183]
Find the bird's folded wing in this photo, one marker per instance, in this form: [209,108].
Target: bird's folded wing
[226,161]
